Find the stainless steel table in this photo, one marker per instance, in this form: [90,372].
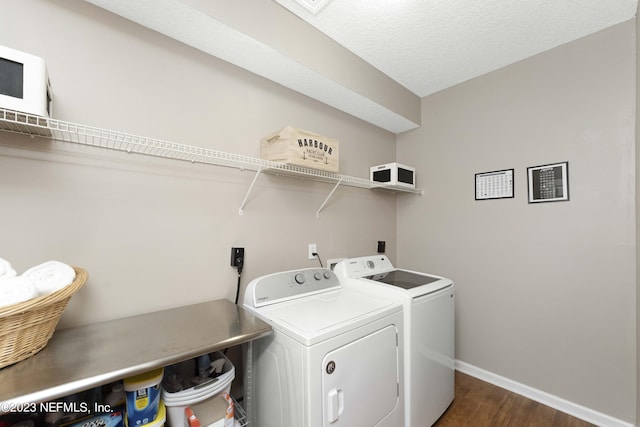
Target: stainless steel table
[80,358]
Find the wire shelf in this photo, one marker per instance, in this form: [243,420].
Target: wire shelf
[37,126]
[240,414]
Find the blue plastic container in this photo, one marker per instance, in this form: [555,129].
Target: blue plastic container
[143,397]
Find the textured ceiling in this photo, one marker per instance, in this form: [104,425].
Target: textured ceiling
[429,45]
[373,59]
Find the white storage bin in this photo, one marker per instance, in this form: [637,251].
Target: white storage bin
[177,402]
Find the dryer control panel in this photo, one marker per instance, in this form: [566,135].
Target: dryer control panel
[279,287]
[363,266]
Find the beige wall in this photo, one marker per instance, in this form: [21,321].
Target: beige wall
[155,233]
[545,292]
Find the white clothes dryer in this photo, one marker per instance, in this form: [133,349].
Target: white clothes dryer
[429,325]
[335,357]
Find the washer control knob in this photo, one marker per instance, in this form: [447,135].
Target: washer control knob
[370,264]
[327,275]
[299,278]
[317,275]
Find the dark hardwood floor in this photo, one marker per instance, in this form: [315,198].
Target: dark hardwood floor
[480,404]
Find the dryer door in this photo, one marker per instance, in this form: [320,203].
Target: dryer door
[360,380]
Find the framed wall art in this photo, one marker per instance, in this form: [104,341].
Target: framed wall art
[548,183]
[494,185]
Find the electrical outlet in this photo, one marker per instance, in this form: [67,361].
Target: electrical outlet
[312,250]
[237,258]
[382,246]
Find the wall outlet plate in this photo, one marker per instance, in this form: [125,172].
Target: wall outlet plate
[237,257]
[312,250]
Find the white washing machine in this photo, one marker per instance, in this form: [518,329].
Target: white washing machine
[335,357]
[429,325]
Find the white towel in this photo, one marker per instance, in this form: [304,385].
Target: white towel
[50,276]
[16,289]
[6,269]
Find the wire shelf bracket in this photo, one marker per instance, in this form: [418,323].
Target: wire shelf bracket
[244,202]
[335,187]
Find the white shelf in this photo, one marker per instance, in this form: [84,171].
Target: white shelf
[36,126]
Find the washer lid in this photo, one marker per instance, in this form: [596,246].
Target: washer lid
[318,317]
[403,278]
[377,269]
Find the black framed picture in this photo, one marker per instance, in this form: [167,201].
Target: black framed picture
[494,185]
[548,183]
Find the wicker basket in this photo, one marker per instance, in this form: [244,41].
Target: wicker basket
[26,327]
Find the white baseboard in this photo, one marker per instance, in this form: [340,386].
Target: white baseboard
[573,409]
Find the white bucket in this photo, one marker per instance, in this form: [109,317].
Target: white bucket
[176,403]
